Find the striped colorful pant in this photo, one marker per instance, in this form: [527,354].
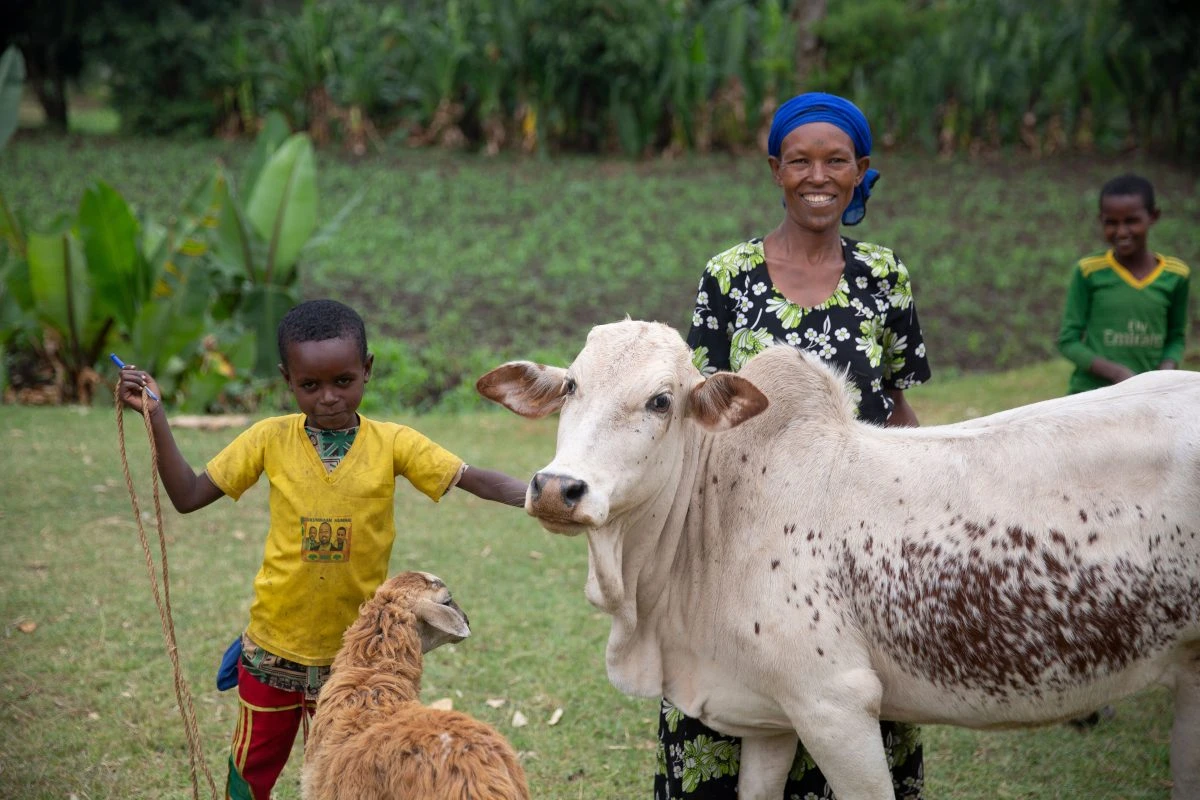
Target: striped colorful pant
[268,720]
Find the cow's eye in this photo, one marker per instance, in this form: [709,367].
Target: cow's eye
[569,386]
[660,403]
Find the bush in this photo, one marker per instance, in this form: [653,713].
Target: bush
[166,59]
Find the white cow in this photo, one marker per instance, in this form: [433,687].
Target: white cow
[775,567]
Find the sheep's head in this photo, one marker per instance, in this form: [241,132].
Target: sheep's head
[438,618]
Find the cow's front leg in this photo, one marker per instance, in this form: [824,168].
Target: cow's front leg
[765,763]
[840,730]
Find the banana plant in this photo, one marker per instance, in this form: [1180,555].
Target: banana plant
[78,279]
[259,234]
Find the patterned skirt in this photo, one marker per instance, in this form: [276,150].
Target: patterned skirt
[697,763]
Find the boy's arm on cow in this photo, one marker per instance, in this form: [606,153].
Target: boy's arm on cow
[903,415]
[491,485]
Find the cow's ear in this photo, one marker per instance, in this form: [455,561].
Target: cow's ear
[531,390]
[724,401]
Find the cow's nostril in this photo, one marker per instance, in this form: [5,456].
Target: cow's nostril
[536,484]
[573,491]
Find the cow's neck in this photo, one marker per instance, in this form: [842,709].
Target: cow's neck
[630,561]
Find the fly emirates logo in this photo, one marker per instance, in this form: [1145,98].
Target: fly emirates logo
[1137,334]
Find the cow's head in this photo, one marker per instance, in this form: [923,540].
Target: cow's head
[626,403]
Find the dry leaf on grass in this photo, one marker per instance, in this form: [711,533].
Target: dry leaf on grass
[27,626]
[519,720]
[445,704]
[495,702]
[555,717]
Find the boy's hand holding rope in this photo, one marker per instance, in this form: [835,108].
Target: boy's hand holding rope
[136,389]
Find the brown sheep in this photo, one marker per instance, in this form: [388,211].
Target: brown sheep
[372,739]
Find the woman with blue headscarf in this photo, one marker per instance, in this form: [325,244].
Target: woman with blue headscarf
[851,302]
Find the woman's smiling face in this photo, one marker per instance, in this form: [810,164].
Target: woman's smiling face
[818,171]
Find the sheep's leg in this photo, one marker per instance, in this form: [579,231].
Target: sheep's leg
[765,763]
[1185,732]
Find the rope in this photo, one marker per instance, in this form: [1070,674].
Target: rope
[183,695]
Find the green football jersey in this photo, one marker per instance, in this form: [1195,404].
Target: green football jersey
[1111,314]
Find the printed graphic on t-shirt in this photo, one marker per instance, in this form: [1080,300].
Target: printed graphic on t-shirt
[325,538]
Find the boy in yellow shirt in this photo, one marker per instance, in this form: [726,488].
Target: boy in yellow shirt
[329,469]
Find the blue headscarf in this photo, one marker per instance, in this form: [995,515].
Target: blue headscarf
[822,107]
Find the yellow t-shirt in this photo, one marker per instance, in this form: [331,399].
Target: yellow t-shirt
[331,533]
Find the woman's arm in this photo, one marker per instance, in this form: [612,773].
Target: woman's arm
[903,415]
[187,490]
[491,485]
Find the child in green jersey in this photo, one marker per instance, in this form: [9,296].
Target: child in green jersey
[1126,310]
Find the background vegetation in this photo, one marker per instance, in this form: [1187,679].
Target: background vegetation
[458,261]
[638,76]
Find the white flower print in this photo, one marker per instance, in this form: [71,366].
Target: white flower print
[758,288]
[810,334]
[863,311]
[697,318]
[712,323]
[861,281]
[793,339]
[702,299]
[740,321]
[920,351]
[841,334]
[877,385]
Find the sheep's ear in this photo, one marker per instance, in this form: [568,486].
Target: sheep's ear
[440,624]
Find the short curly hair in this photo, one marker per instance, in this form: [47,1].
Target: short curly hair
[318,320]
[1127,185]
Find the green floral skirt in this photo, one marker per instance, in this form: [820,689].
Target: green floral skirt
[697,763]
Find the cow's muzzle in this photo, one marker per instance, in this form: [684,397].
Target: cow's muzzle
[556,498]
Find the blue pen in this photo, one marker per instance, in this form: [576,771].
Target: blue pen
[121,365]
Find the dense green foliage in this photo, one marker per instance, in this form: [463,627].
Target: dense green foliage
[195,288]
[641,76]
[457,261]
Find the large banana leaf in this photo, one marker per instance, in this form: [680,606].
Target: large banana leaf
[282,207]
[120,277]
[274,132]
[58,281]
[12,79]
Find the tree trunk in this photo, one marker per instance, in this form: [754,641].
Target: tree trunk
[806,14]
[50,87]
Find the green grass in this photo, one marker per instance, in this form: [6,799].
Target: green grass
[86,699]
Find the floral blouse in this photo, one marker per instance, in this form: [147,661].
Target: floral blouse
[868,325]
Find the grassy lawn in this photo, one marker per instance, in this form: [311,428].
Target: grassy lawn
[86,699]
